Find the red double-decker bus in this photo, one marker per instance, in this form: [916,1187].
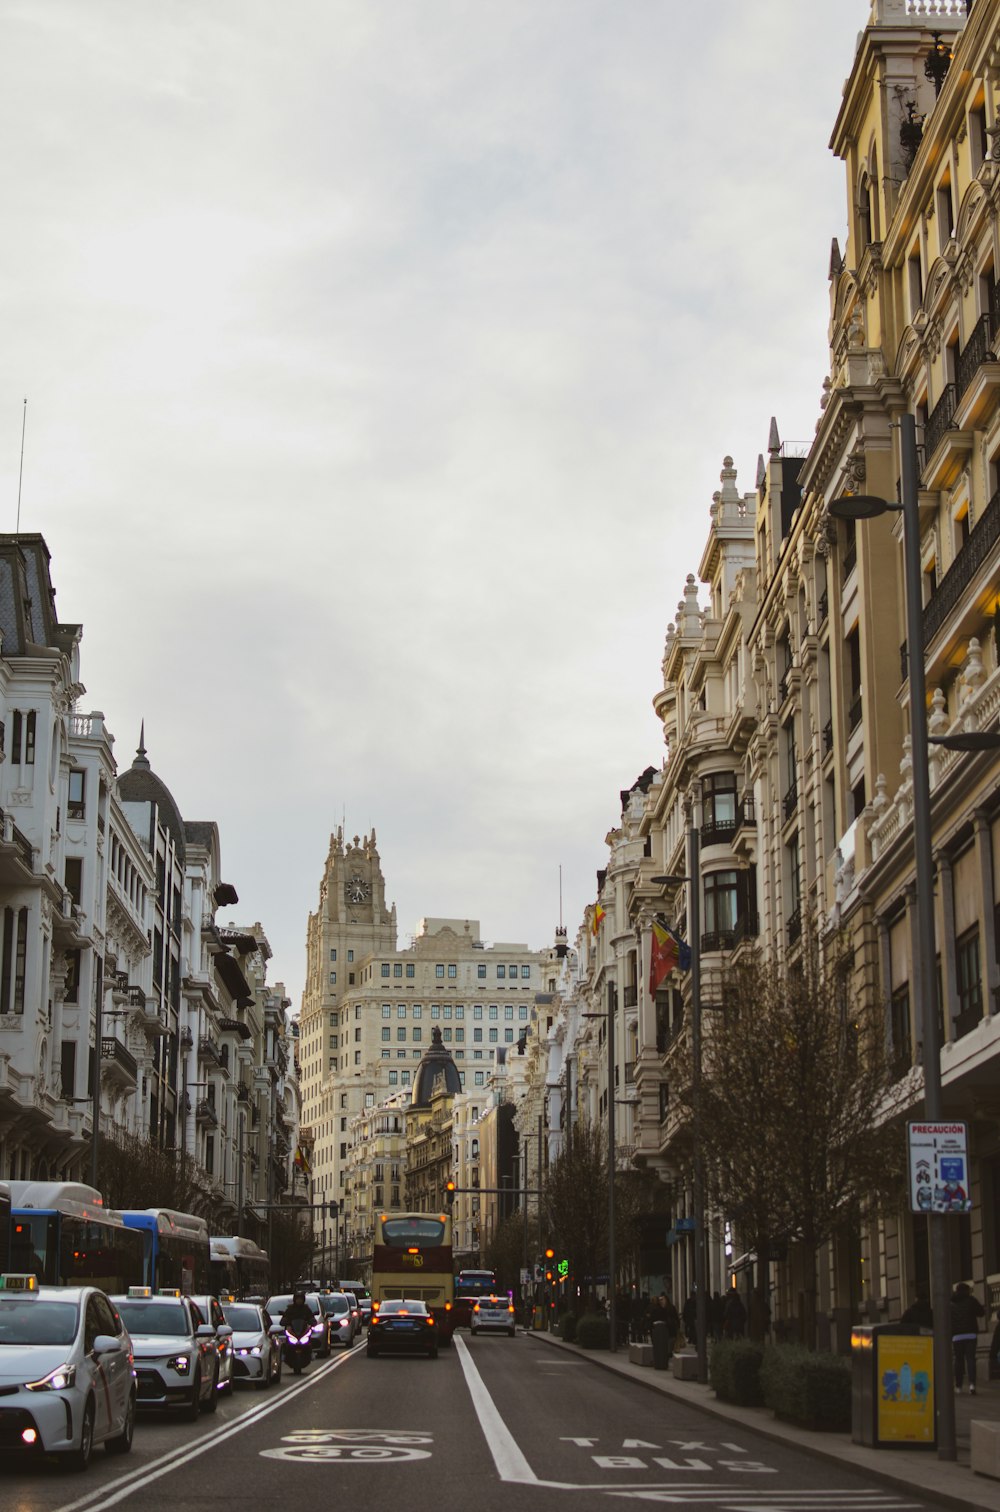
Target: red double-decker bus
[413,1258]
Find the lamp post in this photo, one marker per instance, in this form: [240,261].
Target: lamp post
[866,507]
[692,878]
[609,1018]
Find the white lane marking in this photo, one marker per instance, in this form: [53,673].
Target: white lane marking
[109,1496]
[510,1462]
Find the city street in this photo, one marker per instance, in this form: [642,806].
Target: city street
[493,1423]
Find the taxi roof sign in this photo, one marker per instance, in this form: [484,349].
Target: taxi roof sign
[168,1291]
[140,1291]
[12,1281]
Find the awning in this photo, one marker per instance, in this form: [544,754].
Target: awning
[232,976]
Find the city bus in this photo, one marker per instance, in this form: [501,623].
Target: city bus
[62,1233]
[175,1249]
[412,1257]
[239,1268]
[470,1285]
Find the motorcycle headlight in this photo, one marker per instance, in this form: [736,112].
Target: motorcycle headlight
[56,1380]
[180,1363]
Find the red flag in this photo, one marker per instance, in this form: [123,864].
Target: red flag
[664,955]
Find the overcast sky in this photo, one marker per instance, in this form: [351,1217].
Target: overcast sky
[381,357]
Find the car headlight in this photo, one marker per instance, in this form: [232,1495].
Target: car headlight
[317,1328]
[56,1380]
[180,1363]
[256,1350]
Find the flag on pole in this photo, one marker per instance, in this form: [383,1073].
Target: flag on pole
[667,952]
[595,922]
[301,1160]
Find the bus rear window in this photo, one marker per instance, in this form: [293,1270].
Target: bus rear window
[424,1232]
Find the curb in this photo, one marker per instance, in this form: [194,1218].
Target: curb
[923,1481]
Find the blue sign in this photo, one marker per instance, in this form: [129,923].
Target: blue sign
[952,1168]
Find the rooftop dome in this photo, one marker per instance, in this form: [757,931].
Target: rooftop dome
[435,1064]
[140,784]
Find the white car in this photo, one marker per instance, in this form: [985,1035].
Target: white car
[493,1315]
[212,1312]
[343,1316]
[66,1378]
[256,1343]
[176,1354]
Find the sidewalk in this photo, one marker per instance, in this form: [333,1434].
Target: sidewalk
[918,1471]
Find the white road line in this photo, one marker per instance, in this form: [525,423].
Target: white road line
[510,1462]
[108,1496]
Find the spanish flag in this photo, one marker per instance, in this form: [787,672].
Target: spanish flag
[301,1160]
[595,922]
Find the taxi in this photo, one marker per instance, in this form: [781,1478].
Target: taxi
[66,1377]
[256,1343]
[176,1353]
[493,1314]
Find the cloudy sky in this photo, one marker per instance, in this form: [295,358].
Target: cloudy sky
[381,357]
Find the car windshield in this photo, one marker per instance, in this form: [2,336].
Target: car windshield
[243,1319]
[161,1319]
[397,1305]
[335,1305]
[29,1320]
[276,1305]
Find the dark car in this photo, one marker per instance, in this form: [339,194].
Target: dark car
[402,1326]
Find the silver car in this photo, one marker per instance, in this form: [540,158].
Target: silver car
[343,1316]
[212,1312]
[66,1378]
[176,1359]
[256,1344]
[493,1315]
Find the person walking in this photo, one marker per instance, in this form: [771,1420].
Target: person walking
[919,1313]
[735,1316]
[689,1316]
[672,1320]
[966,1311]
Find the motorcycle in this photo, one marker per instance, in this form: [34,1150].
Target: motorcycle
[298,1346]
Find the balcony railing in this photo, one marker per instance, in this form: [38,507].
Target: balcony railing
[205,1112]
[790,800]
[746,816]
[718,939]
[718,831]
[828,737]
[243,1093]
[824,605]
[794,926]
[209,1049]
[963,569]
[137,999]
[783,686]
[939,420]
[974,354]
[114,1051]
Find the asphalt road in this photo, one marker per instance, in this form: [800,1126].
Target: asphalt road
[494,1425]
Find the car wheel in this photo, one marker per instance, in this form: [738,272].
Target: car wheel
[193,1407]
[123,1443]
[277,1373]
[80,1458]
[211,1402]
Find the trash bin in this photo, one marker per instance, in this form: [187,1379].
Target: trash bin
[892,1387]
[660,1335]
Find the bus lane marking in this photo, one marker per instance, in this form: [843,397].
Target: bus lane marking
[367,1446]
[693,1457]
[510,1462]
[103,1497]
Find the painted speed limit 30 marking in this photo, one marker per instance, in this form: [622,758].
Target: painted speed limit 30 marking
[355,1446]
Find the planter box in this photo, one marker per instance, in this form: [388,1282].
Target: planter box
[640,1354]
[684,1366]
[986,1449]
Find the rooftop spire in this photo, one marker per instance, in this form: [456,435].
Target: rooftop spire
[141,759]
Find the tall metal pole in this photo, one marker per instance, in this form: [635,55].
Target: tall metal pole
[927,972]
[95,1137]
[700,1266]
[240,1190]
[612,1258]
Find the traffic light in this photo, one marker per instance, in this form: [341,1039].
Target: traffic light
[449,1194]
[550,1255]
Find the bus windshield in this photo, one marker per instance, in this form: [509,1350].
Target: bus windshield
[425,1231]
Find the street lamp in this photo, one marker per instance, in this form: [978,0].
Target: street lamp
[609,1017]
[694,939]
[867,507]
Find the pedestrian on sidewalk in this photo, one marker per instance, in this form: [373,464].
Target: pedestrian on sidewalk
[919,1314]
[735,1316]
[689,1316]
[671,1319]
[966,1311]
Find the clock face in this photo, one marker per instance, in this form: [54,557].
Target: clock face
[357,889]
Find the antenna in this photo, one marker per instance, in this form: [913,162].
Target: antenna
[20,473]
[560,895]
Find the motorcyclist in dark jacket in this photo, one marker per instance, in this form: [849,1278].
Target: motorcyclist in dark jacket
[298,1315]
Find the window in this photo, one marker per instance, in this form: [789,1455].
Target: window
[386,1032]
[357,1035]
[481,970]
[494,1011]
[387,1010]
[357,1057]
[719,791]
[508,1036]
[446,1036]
[477,1011]
[417,1034]
[400,1054]
[333,979]
[74,878]
[720,903]
[477,1035]
[350,955]
[508,1010]
[970,992]
[72,987]
[494,1036]
[525,973]
[477,1055]
[333,955]
[439,973]
[522,1011]
[501,972]
[393,1078]
[401,1032]
[386,1054]
[459,1011]
[401,1010]
[410,969]
[369,1099]
[343,1099]
[452,973]
[417,1011]
[404,1078]
[446,1011]
[899,1025]
[397,968]
[23,737]
[76,801]
[435,1011]
[385,968]
[459,1036]
[480,1077]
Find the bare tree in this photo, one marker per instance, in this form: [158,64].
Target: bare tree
[576,1203]
[794,1102]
